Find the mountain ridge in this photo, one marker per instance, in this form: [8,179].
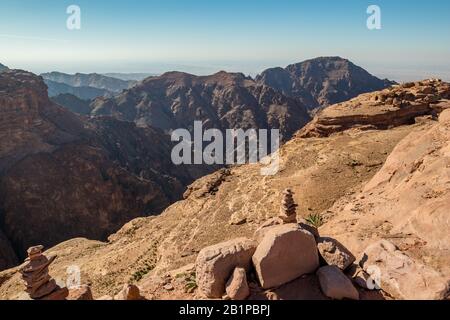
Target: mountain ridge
[222,100]
[94,80]
[322,81]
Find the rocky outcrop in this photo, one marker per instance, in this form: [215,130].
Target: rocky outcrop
[403,277]
[322,81]
[222,101]
[39,284]
[285,253]
[215,264]
[395,106]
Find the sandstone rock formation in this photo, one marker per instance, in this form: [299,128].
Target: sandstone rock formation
[401,276]
[335,284]
[237,286]
[285,253]
[215,264]
[39,284]
[322,81]
[334,253]
[288,213]
[394,106]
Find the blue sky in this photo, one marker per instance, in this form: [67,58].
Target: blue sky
[202,36]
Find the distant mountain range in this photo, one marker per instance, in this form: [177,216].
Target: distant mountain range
[93,80]
[84,86]
[130,76]
[84,93]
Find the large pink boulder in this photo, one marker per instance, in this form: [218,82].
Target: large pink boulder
[285,253]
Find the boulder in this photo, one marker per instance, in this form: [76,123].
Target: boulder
[334,253]
[216,263]
[335,284]
[237,286]
[401,276]
[261,231]
[285,253]
[83,293]
[129,292]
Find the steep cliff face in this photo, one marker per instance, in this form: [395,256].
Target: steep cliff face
[223,101]
[63,177]
[322,81]
[8,258]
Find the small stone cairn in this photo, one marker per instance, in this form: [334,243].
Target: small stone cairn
[39,284]
[288,209]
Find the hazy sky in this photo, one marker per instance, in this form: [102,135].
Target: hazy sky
[202,36]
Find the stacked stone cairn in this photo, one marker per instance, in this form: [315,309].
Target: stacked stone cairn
[288,209]
[39,284]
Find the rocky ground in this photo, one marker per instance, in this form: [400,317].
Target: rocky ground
[362,183]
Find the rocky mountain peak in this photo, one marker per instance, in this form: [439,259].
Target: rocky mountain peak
[322,81]
[14,81]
